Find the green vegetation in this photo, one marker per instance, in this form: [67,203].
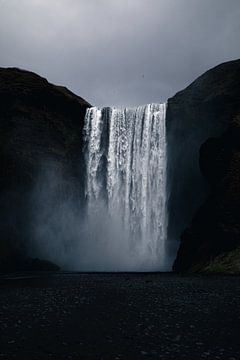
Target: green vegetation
[227,263]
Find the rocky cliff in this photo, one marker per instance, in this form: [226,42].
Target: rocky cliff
[40,125]
[204,166]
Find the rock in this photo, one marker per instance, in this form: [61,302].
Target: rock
[203,110]
[214,185]
[18,262]
[41,125]
[39,265]
[215,228]
[225,263]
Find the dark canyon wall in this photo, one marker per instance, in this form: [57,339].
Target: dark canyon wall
[203,140]
[40,127]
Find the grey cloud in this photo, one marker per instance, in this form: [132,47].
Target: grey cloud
[114,52]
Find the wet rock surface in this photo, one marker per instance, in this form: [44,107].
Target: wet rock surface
[119,316]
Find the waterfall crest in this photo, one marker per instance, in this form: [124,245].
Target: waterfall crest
[125,186]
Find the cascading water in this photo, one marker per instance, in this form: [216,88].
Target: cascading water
[125,158]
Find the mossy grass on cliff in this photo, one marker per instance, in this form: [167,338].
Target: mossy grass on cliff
[226,263]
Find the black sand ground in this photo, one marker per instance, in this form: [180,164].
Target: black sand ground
[119,316]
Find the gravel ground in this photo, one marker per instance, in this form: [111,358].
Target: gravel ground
[119,316]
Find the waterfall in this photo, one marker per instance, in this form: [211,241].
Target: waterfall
[125,186]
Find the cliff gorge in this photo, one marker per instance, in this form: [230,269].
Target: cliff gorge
[203,152]
[40,125]
[41,131]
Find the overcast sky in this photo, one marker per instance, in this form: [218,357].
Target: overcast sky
[119,52]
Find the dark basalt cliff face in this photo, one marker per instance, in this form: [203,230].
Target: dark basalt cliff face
[204,166]
[40,125]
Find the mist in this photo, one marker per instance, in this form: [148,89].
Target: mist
[63,232]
